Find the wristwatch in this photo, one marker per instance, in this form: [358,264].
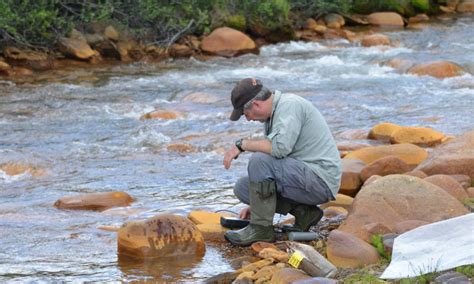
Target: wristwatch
[238,144]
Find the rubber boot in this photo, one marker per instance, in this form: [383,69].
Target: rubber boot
[263,199]
[305,217]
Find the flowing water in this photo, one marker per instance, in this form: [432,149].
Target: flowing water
[83,128]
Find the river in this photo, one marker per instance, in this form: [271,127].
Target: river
[83,128]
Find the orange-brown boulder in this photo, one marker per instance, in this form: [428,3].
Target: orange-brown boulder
[334,21]
[376,229]
[212,232]
[348,251]
[350,179]
[375,39]
[383,131]
[384,166]
[409,153]
[455,157]
[205,217]
[421,136]
[180,50]
[111,33]
[449,184]
[13,169]
[416,173]
[371,179]
[94,201]
[161,114]
[27,58]
[160,236]
[76,48]
[228,42]
[385,19]
[288,275]
[466,6]
[342,200]
[4,66]
[396,198]
[438,69]
[408,225]
[464,180]
[418,18]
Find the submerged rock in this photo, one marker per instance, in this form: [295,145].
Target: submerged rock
[438,69]
[160,236]
[94,201]
[375,39]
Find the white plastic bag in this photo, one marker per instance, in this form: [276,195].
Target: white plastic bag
[434,247]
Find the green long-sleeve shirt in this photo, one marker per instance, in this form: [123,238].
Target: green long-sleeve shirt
[298,130]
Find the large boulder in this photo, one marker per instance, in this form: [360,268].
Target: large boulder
[228,42]
[375,39]
[384,166]
[160,236]
[438,69]
[409,153]
[383,131]
[341,200]
[467,6]
[421,136]
[450,185]
[347,251]
[453,157]
[27,58]
[334,21]
[392,199]
[76,48]
[385,19]
[350,179]
[94,201]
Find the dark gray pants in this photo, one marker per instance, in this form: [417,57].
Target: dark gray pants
[294,180]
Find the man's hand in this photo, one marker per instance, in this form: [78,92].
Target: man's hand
[230,155]
[245,213]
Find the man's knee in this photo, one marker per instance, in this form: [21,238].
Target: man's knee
[259,167]
[241,189]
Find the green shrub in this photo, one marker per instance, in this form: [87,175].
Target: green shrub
[467,270]
[377,242]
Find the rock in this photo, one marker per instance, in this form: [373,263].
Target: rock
[375,39]
[347,251]
[385,19]
[181,148]
[420,136]
[396,198]
[75,34]
[94,201]
[27,58]
[180,50]
[447,9]
[418,18]
[452,277]
[201,98]
[383,131]
[212,232]
[449,184]
[288,275]
[241,261]
[259,246]
[350,179]
[451,158]
[470,192]
[276,254]
[13,169]
[244,277]
[161,114]
[160,236]
[351,146]
[384,166]
[438,69]
[333,211]
[388,240]
[466,6]
[4,66]
[464,180]
[408,225]
[254,266]
[416,173]
[75,48]
[205,217]
[315,280]
[227,42]
[401,65]
[371,179]
[93,39]
[265,274]
[409,153]
[334,21]
[310,23]
[342,200]
[111,33]
[376,229]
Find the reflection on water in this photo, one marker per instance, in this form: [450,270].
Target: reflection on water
[83,129]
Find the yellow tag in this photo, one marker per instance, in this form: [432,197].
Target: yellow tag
[295,259]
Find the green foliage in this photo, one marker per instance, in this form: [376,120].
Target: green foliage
[421,5]
[377,242]
[312,8]
[362,277]
[467,270]
[237,22]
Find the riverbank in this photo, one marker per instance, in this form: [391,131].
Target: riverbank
[102,44]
